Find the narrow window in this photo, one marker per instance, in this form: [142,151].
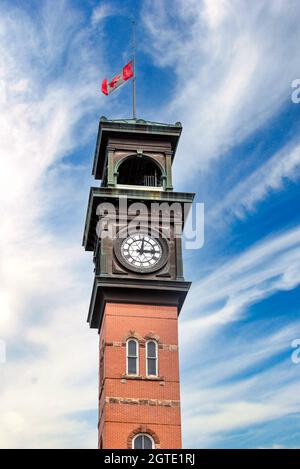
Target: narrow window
[132,357]
[152,365]
[143,441]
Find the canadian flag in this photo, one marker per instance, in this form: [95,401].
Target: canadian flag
[108,86]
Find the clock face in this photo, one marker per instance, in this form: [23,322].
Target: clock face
[142,253]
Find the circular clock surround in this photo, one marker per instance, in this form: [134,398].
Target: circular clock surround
[141,252]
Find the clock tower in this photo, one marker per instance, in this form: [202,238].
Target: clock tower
[133,227]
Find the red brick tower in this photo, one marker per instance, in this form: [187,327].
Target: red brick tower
[139,286]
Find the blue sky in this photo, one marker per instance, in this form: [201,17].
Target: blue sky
[222,68]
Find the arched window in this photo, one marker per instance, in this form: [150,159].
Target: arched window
[140,171]
[143,441]
[132,357]
[152,358]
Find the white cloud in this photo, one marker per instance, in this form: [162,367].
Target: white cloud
[234,64]
[226,396]
[227,62]
[268,178]
[269,266]
[213,410]
[101,12]
[231,383]
[50,378]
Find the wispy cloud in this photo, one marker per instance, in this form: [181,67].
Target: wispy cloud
[269,266]
[236,381]
[48,80]
[270,177]
[233,69]
[101,12]
[235,389]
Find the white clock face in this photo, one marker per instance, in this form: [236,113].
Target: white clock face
[141,251]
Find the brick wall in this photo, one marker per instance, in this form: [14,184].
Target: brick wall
[128,405]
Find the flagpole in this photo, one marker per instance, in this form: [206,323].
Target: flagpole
[134,72]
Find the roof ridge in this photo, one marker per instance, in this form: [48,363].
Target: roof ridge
[139,121]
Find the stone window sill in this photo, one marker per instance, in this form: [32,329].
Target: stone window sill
[144,378]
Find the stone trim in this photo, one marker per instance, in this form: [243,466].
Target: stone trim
[142,429]
[141,340]
[143,378]
[114,343]
[142,401]
[132,334]
[152,336]
[168,347]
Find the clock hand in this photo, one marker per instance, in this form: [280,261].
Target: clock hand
[141,251]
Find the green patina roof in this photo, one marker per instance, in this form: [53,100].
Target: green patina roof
[139,121]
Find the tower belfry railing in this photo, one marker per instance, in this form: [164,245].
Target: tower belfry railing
[151,180]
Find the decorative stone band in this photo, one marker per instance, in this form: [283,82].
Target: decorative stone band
[169,347]
[161,379]
[141,401]
[150,335]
